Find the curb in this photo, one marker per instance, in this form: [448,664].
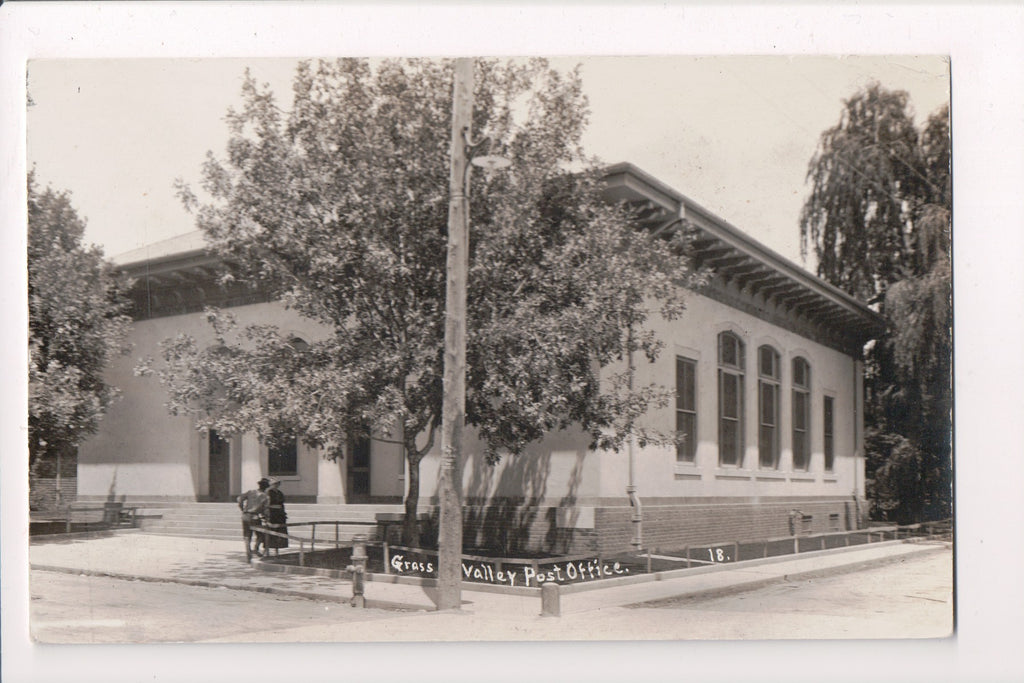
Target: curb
[201,583]
[755,584]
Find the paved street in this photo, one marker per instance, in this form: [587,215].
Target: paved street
[911,597]
[908,599]
[73,608]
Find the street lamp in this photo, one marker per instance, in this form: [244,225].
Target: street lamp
[453,409]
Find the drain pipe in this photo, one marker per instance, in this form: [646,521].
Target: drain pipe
[858,427]
[637,519]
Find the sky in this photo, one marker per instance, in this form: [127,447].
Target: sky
[735,134]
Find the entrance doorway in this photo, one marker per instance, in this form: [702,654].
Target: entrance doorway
[359,470]
[220,468]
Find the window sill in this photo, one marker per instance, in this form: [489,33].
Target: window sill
[770,475]
[733,474]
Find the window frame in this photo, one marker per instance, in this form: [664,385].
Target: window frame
[801,436]
[828,412]
[768,380]
[686,451]
[734,372]
[276,454]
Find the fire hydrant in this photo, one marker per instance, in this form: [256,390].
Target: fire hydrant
[358,570]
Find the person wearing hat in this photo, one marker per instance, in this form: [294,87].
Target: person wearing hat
[253,504]
[276,518]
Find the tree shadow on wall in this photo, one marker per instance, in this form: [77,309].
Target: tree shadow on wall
[510,524]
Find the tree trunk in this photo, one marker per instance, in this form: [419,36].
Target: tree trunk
[410,528]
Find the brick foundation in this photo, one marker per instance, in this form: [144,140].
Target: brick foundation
[515,527]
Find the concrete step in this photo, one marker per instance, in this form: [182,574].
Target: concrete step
[222,520]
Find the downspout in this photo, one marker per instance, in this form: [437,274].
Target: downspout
[858,426]
[59,498]
[637,518]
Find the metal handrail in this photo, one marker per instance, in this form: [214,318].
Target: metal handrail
[796,539]
[895,530]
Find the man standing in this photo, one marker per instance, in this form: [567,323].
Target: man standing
[253,505]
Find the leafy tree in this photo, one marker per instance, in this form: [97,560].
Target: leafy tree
[340,206]
[77,322]
[878,219]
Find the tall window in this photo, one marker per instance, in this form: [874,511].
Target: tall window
[768,407]
[730,399]
[801,414]
[830,453]
[686,409]
[283,459]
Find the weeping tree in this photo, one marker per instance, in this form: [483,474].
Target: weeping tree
[339,205]
[878,220]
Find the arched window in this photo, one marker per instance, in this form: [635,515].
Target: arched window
[768,407]
[801,414]
[730,399]
[828,429]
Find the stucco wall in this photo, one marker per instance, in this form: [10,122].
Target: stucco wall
[560,469]
[695,336]
[142,451]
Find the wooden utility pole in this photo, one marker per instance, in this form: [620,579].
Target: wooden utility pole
[453,412]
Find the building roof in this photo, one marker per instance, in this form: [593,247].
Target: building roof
[748,275]
[744,266]
[176,247]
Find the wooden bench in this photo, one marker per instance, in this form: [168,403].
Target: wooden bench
[113,514]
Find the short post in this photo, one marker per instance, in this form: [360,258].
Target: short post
[550,601]
[387,556]
[358,569]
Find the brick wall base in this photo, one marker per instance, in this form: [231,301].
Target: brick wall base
[516,529]
[670,527]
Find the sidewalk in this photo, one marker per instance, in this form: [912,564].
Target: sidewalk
[219,563]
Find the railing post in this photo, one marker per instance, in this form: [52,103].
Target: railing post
[736,551]
[387,557]
[688,564]
[337,535]
[302,553]
[550,602]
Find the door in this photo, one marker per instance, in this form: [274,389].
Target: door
[359,471]
[220,468]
